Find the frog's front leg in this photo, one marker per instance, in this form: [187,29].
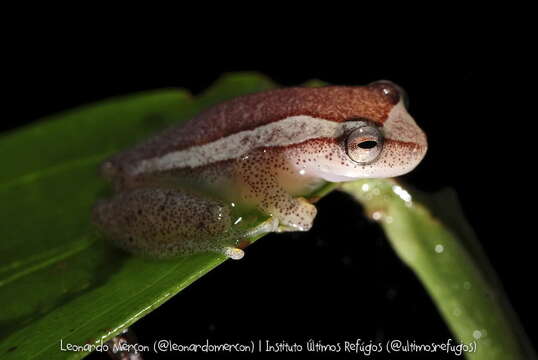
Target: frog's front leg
[164,223]
[261,175]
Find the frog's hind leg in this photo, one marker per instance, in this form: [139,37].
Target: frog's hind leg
[165,223]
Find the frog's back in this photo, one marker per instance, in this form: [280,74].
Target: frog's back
[333,103]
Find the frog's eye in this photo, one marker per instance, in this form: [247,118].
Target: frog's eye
[364,144]
[391,91]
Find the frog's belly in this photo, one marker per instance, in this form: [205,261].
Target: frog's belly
[300,185]
[224,180]
[207,179]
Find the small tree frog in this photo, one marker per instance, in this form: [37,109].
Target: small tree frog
[191,188]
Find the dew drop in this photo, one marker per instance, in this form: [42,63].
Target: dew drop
[377,215]
[402,193]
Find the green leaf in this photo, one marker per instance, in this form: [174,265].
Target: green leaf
[431,236]
[58,279]
[60,282]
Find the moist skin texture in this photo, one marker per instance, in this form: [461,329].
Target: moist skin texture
[190,189]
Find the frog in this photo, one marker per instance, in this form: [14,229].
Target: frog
[194,187]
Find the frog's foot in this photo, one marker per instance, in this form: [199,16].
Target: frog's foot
[268,226]
[233,252]
[297,216]
[236,253]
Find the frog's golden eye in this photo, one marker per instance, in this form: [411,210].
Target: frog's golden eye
[364,144]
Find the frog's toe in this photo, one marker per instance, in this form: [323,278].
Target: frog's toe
[233,252]
[299,217]
[268,226]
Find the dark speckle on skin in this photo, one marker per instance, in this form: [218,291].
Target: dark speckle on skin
[180,204]
[333,103]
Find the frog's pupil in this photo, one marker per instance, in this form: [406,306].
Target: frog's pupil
[367,144]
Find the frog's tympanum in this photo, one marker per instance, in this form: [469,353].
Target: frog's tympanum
[195,187]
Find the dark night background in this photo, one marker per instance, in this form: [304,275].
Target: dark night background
[341,280]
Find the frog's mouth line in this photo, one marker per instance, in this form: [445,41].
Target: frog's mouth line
[339,141]
[397,158]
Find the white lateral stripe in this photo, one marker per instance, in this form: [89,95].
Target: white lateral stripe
[288,131]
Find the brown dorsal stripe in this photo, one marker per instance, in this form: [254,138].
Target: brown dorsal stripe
[334,103]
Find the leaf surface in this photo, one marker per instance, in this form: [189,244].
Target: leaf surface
[59,280]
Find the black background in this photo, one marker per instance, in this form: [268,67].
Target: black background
[341,280]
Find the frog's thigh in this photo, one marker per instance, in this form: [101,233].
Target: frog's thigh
[165,223]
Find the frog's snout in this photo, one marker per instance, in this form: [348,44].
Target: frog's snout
[421,145]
